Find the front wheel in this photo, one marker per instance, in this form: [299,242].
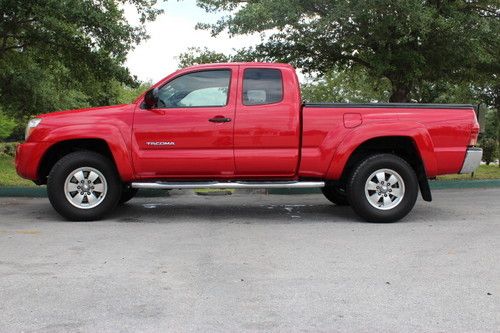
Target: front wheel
[127,194]
[383,188]
[83,186]
[335,194]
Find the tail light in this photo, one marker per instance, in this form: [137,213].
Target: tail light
[474,133]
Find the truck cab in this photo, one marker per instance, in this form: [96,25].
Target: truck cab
[220,122]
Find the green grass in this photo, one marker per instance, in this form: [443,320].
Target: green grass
[483,172]
[9,177]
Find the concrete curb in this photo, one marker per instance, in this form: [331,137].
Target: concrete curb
[41,191]
[434,184]
[482,183]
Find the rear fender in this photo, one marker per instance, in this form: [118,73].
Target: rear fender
[417,132]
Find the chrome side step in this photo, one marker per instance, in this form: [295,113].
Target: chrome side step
[231,185]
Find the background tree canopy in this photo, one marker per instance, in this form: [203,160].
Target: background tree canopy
[63,54]
[408,42]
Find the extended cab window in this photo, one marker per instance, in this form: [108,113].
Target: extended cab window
[262,86]
[204,88]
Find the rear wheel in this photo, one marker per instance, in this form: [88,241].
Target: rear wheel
[83,186]
[336,194]
[383,188]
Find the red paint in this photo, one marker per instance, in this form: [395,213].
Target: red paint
[202,148]
[266,137]
[352,120]
[282,140]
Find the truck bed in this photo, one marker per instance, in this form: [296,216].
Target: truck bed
[331,132]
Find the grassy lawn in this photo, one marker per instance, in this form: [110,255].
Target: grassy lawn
[483,172]
[9,177]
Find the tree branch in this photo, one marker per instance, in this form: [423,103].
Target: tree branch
[492,11]
[12,47]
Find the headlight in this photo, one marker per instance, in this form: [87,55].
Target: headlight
[31,126]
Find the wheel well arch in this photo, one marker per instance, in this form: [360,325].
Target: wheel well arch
[402,146]
[60,149]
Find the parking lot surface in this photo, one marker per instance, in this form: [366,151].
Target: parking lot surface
[252,263]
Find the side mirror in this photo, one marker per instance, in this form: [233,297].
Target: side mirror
[151,98]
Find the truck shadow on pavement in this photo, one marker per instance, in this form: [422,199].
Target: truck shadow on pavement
[214,211]
[162,212]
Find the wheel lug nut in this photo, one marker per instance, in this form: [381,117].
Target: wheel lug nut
[385,195]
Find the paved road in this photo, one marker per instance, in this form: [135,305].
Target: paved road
[252,263]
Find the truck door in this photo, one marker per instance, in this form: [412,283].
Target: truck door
[267,127]
[190,132]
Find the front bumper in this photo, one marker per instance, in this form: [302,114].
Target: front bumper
[472,160]
[28,157]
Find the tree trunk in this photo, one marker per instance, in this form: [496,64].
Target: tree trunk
[399,94]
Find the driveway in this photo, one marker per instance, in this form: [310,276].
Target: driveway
[252,263]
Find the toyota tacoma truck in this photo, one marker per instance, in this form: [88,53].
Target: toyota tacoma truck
[244,125]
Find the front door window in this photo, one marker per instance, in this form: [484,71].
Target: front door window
[198,89]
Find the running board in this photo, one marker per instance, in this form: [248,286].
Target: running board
[230,185]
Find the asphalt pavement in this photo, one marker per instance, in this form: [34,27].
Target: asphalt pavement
[284,263]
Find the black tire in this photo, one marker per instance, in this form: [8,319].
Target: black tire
[62,170]
[336,194]
[127,194]
[359,200]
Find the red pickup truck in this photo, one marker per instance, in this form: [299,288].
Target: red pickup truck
[244,125]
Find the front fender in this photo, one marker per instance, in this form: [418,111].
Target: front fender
[108,133]
[417,132]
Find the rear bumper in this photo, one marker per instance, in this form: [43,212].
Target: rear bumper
[472,160]
[28,156]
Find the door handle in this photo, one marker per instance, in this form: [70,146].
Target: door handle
[219,119]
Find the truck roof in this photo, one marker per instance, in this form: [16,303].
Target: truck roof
[259,64]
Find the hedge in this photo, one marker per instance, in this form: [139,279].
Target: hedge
[8,148]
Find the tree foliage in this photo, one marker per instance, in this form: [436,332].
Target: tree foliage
[7,125]
[491,124]
[61,54]
[126,94]
[348,86]
[411,43]
[489,150]
[196,56]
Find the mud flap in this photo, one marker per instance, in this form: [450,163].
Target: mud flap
[423,183]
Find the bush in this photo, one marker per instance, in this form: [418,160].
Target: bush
[489,146]
[7,125]
[8,148]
